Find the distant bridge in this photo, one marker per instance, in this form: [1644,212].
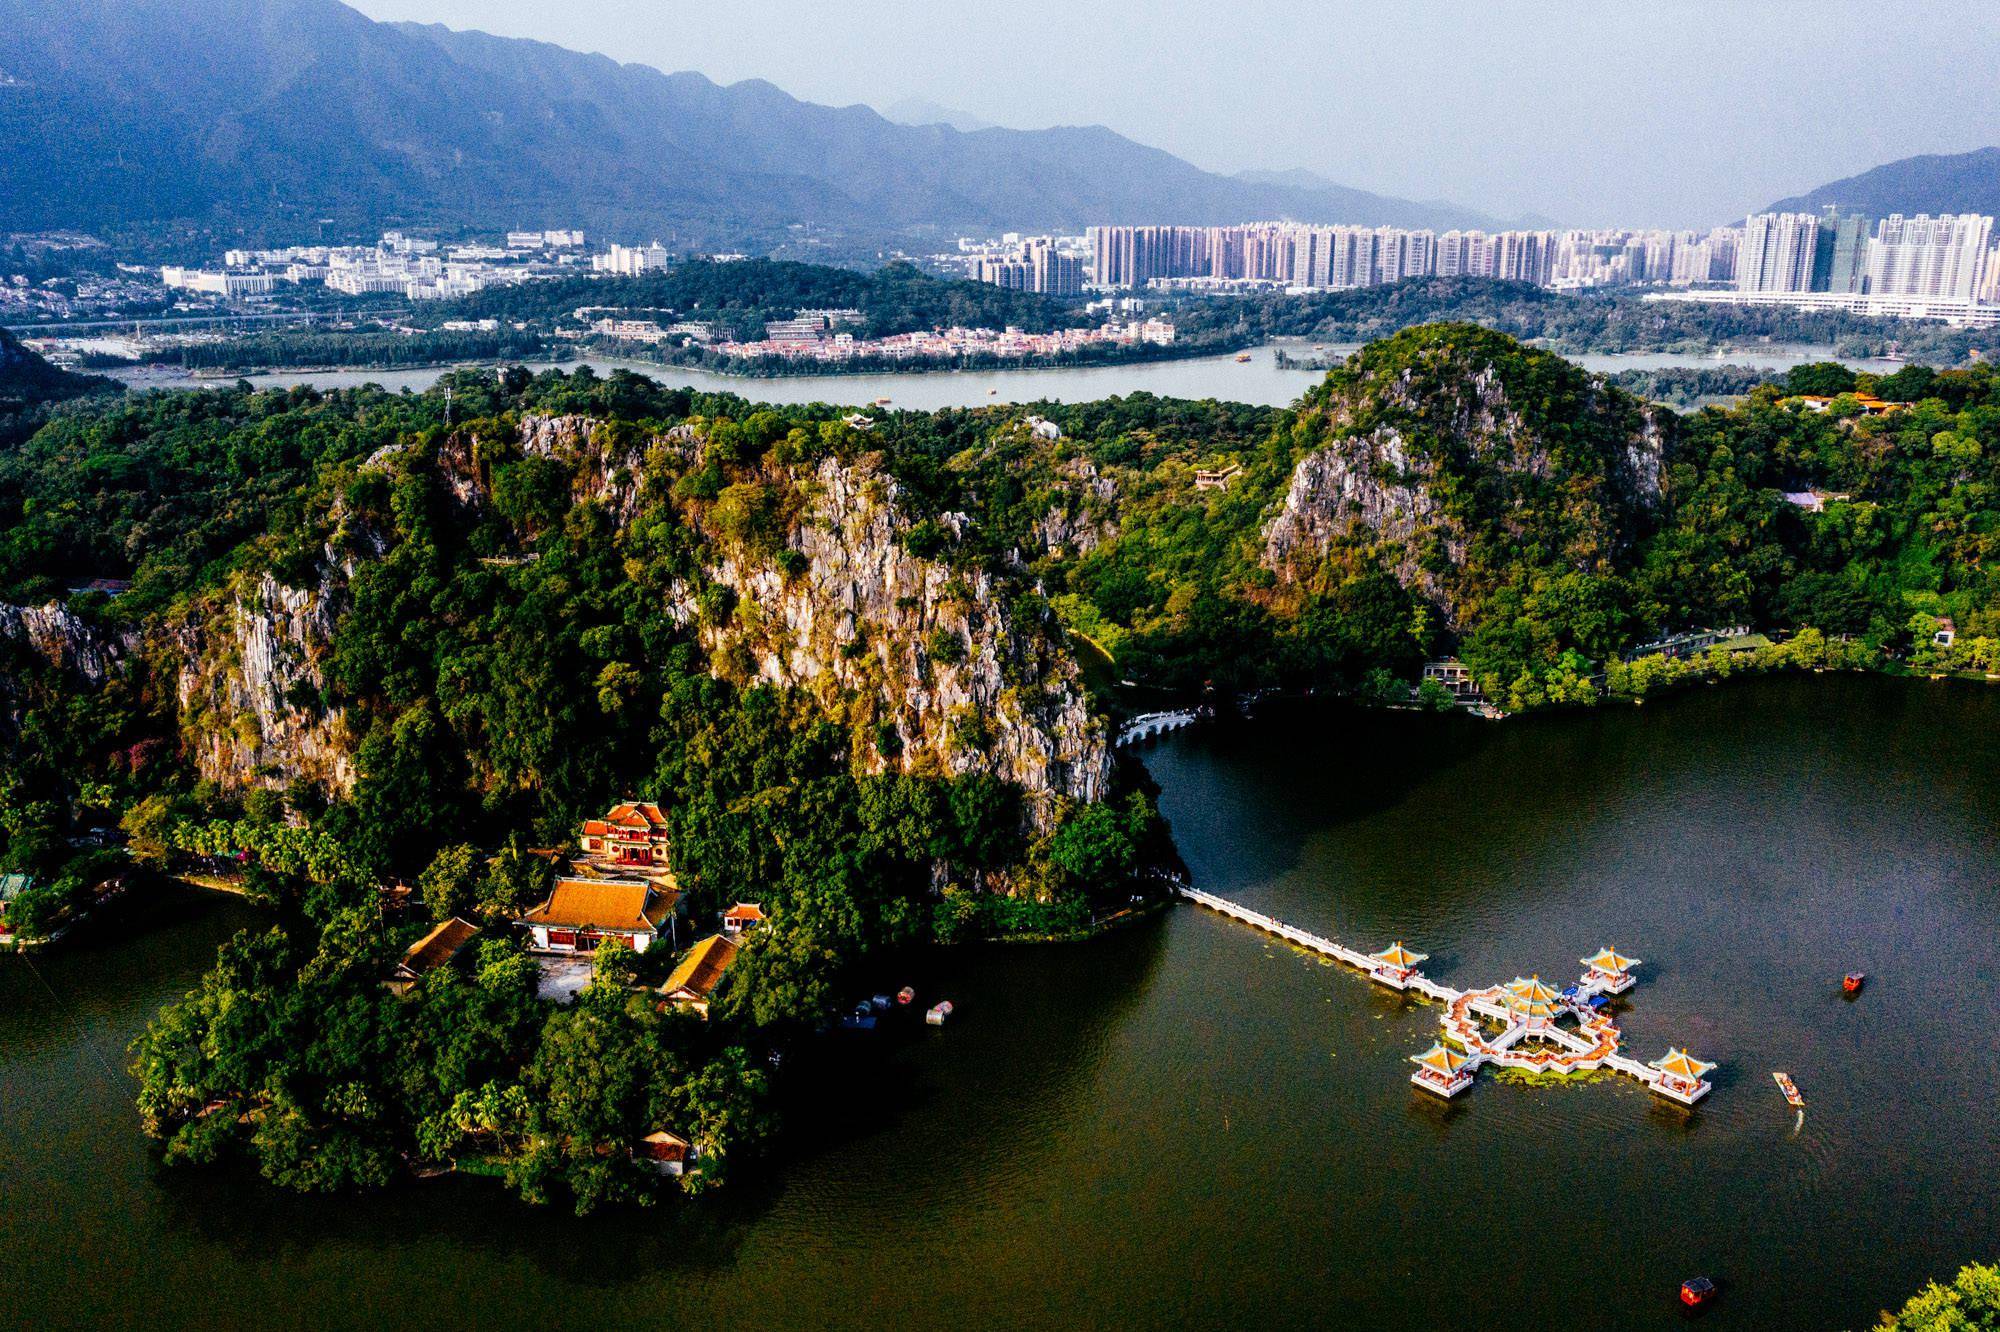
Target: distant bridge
[1149,724]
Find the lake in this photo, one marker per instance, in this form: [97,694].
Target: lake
[1186,1124]
[1259,380]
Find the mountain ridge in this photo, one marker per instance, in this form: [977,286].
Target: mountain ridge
[1926,183]
[272,114]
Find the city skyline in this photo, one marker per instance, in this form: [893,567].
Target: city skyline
[1678,116]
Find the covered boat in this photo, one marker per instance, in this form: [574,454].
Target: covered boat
[1697,1290]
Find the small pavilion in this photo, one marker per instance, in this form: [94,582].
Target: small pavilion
[1395,964]
[1610,971]
[1531,1002]
[1681,1076]
[1442,1070]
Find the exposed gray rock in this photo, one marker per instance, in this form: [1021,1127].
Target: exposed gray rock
[1378,481]
[66,641]
[249,679]
[858,630]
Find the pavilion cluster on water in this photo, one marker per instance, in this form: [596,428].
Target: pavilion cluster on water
[1525,1024]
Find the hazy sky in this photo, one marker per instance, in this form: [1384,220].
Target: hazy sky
[1676,112]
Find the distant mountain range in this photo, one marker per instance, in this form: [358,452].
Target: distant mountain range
[265,115]
[1445,215]
[1935,183]
[917,111]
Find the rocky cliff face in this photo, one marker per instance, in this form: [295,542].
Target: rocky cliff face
[934,668]
[1448,456]
[1083,513]
[249,684]
[65,641]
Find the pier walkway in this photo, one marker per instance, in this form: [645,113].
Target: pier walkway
[1516,1025]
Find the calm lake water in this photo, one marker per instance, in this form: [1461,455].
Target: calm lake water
[1188,1125]
[1260,380]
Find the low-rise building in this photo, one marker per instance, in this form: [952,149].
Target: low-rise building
[1215,478]
[664,1151]
[1692,643]
[581,914]
[694,980]
[1455,676]
[436,950]
[742,918]
[11,888]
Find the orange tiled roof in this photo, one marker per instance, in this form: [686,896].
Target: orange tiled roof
[438,947]
[698,972]
[744,911]
[602,904]
[642,815]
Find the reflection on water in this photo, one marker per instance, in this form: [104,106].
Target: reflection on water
[1187,1124]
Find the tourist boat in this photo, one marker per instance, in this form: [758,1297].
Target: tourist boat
[881,402]
[1851,982]
[938,1013]
[882,1003]
[1790,1089]
[1697,1290]
[861,1019]
[905,995]
[1242,356]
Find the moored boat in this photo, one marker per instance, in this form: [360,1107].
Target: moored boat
[938,1013]
[906,995]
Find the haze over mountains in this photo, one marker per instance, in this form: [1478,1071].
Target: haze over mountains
[271,113]
[1933,183]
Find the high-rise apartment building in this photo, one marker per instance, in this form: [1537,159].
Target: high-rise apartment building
[1840,254]
[1941,257]
[1777,252]
[1038,265]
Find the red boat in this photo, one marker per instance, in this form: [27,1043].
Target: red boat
[1697,1290]
[1851,982]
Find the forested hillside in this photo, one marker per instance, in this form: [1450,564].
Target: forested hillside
[870,668]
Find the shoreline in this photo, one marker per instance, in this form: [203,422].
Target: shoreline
[740,369]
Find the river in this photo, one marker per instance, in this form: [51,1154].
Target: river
[1187,1125]
[1260,380]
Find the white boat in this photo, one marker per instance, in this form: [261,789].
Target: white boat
[938,1013]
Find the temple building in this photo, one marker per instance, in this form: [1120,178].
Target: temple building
[695,979]
[633,833]
[582,913]
[436,950]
